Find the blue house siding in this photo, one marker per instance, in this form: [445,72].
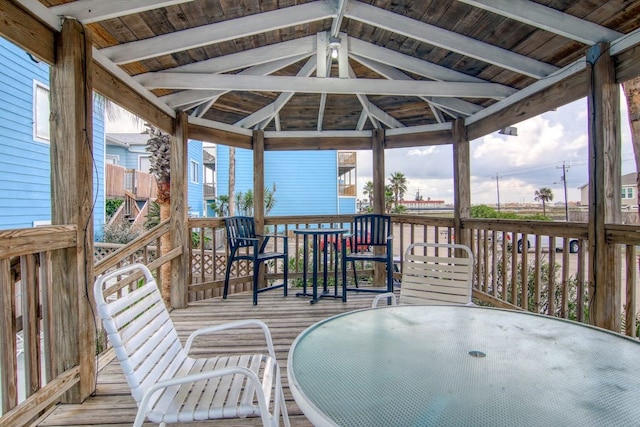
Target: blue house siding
[195,199]
[347,205]
[25,171]
[306,181]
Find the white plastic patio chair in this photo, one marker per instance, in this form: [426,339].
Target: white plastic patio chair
[167,384]
[433,275]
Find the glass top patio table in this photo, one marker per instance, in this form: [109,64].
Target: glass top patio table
[463,366]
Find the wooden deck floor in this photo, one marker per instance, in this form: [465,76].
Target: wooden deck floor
[112,404]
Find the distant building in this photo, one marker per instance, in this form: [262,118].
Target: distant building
[629,193]
[129,150]
[25,151]
[306,182]
[417,205]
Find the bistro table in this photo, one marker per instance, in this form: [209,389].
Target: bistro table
[463,366]
[317,235]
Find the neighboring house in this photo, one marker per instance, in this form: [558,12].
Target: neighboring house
[129,151]
[629,196]
[306,182]
[25,172]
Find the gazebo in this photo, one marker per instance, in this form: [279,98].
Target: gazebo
[310,75]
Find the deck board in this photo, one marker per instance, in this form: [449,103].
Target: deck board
[112,404]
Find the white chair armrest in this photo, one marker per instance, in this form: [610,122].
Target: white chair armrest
[382,296]
[251,377]
[233,325]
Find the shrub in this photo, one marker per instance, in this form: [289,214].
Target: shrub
[119,232]
[112,205]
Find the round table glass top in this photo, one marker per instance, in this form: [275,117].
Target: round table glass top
[463,366]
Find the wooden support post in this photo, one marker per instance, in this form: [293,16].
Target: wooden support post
[258,190]
[604,188]
[461,182]
[377,144]
[379,274]
[73,331]
[179,216]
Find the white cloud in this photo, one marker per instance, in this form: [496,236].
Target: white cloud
[523,163]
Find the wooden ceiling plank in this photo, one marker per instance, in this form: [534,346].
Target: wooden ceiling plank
[548,19]
[89,11]
[219,32]
[329,85]
[448,40]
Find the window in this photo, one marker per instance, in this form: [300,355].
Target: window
[194,171]
[41,111]
[144,164]
[112,159]
[627,193]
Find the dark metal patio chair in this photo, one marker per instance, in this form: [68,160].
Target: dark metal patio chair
[245,244]
[370,231]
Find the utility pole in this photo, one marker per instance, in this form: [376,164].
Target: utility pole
[563,178]
[497,178]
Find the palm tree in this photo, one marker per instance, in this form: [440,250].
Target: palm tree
[388,198]
[544,195]
[399,186]
[632,93]
[368,191]
[159,148]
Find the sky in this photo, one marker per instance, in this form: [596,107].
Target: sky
[522,164]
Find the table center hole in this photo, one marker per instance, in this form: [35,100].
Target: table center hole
[476,353]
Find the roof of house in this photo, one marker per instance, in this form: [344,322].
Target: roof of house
[267,64]
[127,139]
[628,179]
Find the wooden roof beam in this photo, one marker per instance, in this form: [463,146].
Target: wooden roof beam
[89,11]
[447,40]
[316,85]
[548,19]
[219,32]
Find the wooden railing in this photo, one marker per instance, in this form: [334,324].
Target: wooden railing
[26,322]
[347,190]
[548,277]
[119,180]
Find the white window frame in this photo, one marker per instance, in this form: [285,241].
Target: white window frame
[38,135]
[112,159]
[194,169]
[140,163]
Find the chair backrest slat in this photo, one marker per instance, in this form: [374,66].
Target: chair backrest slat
[140,329]
[432,278]
[371,229]
[239,229]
